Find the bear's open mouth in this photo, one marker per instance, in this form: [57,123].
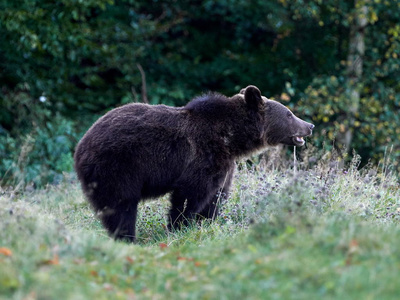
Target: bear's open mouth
[298,140]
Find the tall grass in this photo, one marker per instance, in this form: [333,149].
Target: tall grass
[317,231]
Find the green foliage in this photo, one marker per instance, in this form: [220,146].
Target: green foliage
[38,148]
[327,99]
[40,157]
[83,56]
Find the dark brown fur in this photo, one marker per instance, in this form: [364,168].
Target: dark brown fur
[141,151]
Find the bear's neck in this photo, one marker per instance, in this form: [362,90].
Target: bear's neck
[243,137]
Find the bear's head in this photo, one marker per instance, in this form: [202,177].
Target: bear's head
[280,125]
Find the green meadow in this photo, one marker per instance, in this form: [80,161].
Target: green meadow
[320,232]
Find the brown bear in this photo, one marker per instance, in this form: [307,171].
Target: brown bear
[140,151]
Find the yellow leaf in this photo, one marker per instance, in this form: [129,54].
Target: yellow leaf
[342,128]
[374,17]
[285,97]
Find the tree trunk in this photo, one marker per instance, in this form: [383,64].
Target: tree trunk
[354,71]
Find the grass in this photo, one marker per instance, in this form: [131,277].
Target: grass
[309,233]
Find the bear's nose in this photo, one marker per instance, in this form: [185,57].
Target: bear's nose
[312,126]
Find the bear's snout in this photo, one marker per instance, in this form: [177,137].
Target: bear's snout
[304,129]
[310,127]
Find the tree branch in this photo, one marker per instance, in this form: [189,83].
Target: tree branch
[144,88]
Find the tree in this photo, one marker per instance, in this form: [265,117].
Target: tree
[355,69]
[81,57]
[356,103]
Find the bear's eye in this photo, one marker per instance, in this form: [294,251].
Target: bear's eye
[289,115]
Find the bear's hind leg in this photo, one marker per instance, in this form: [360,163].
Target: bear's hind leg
[120,222]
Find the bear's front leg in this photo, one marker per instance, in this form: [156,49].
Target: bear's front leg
[185,205]
[120,222]
[210,211]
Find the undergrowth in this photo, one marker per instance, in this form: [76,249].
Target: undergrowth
[294,233]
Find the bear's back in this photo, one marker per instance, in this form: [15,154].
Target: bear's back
[134,139]
[132,119]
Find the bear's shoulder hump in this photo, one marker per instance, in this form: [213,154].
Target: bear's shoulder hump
[207,103]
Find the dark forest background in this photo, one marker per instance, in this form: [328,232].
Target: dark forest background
[64,63]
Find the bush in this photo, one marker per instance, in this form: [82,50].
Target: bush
[40,156]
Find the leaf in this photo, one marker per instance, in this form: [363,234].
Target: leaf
[5,251]
[54,261]
[285,97]
[129,259]
[163,245]
[184,258]
[198,264]
[353,246]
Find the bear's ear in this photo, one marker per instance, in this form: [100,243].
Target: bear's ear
[252,96]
